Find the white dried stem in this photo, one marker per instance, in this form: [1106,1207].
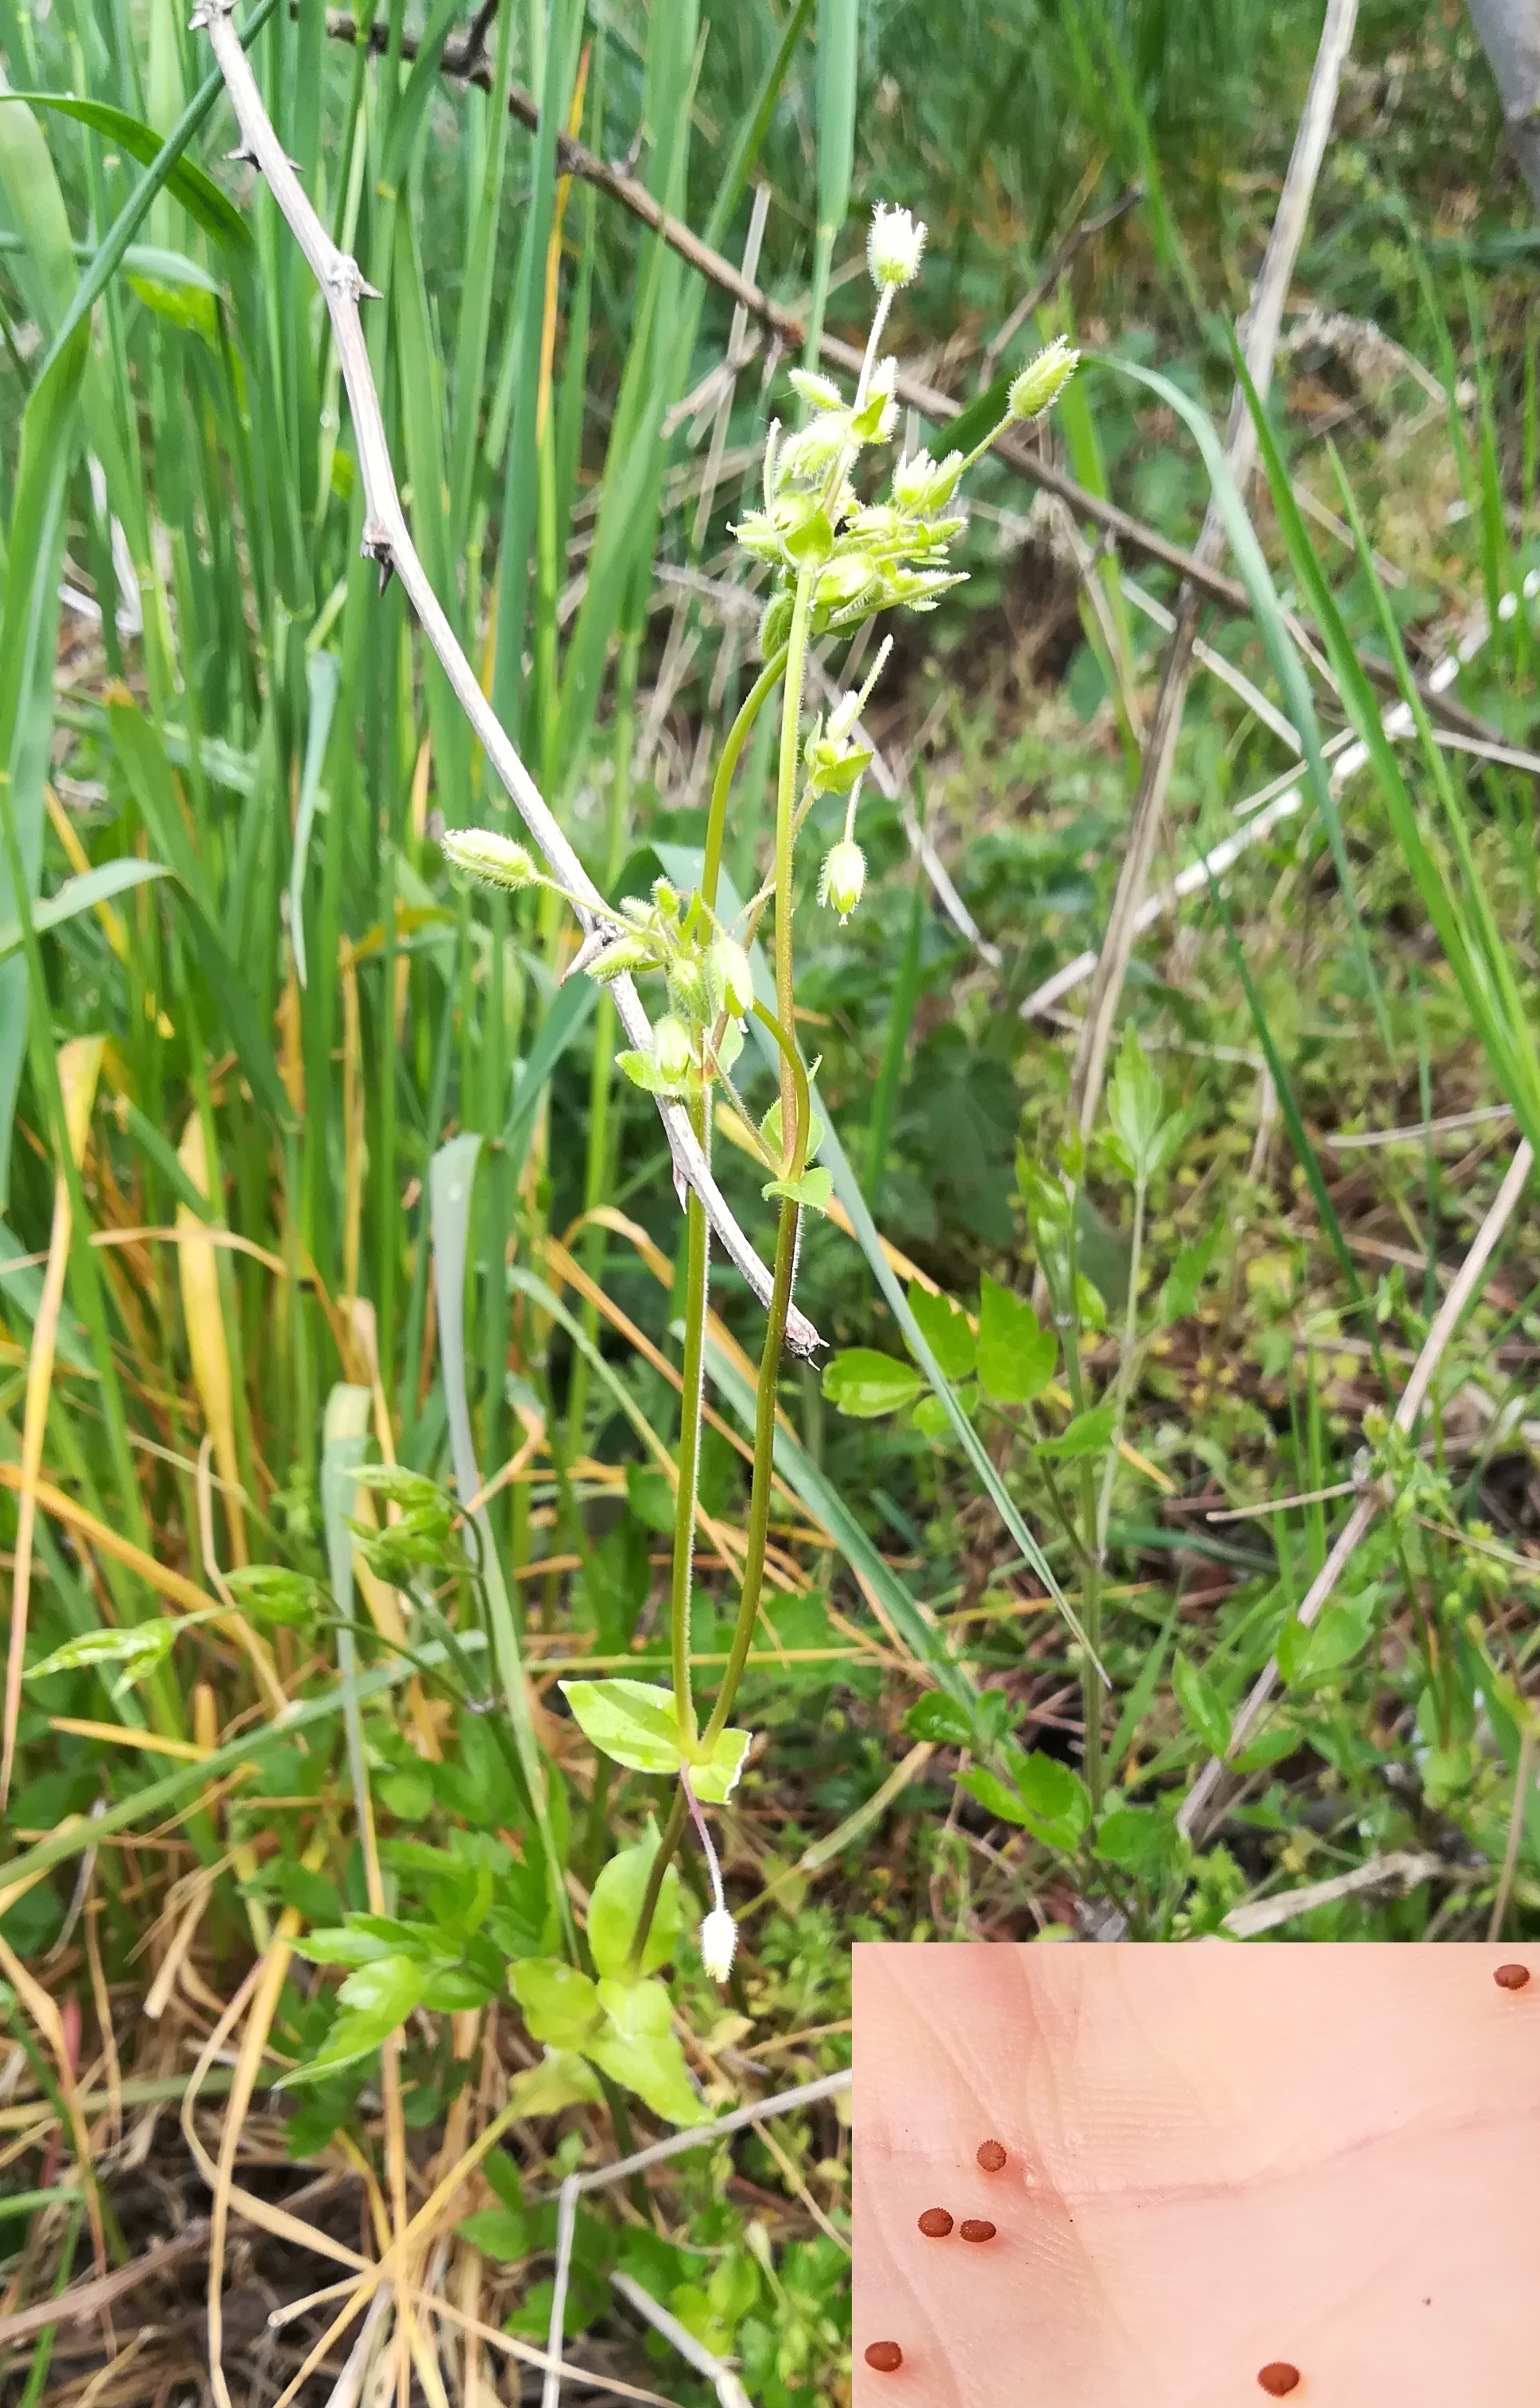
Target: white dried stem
[1451,1314]
[806,2094]
[388,540]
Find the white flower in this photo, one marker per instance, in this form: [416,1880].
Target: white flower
[893,245]
[1042,380]
[495,859]
[844,875]
[718,1942]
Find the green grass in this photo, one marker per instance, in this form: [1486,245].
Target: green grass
[399,1203]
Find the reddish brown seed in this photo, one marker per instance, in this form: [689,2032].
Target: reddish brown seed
[991,2156]
[1279,2379]
[1511,1977]
[935,2224]
[977,2229]
[886,2355]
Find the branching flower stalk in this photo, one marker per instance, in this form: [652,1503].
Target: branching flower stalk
[839,560]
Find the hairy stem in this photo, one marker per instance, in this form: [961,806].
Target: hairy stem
[692,1372]
[737,734]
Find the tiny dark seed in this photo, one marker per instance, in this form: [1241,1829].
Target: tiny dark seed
[991,2156]
[1279,2379]
[977,2229]
[1511,1977]
[935,2224]
[886,2355]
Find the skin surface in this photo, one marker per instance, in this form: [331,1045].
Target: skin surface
[1219,2157]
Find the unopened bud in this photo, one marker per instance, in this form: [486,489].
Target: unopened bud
[844,875]
[893,245]
[729,976]
[718,1944]
[495,860]
[1042,380]
[672,1053]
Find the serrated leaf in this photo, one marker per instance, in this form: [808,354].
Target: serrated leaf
[944,1328]
[1016,1355]
[499,2232]
[865,1384]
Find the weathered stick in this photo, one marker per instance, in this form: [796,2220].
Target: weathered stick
[388,540]
[806,2094]
[1129,534]
[1450,1314]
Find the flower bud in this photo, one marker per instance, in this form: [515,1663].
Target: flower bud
[775,626]
[844,875]
[819,392]
[729,977]
[688,990]
[495,860]
[1042,380]
[718,1944]
[672,1053]
[893,245]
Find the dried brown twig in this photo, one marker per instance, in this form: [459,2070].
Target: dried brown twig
[574,158]
[387,539]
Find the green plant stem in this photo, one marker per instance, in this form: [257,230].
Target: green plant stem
[692,1372]
[792,1102]
[786,814]
[1090,1607]
[1125,1372]
[716,821]
[753,1561]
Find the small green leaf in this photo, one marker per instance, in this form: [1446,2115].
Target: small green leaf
[1308,1656]
[865,1384]
[639,2010]
[652,2065]
[272,1593]
[714,1778]
[1201,1703]
[812,1191]
[139,1647]
[614,1909]
[1015,1356]
[499,2232]
[376,1999]
[1050,1790]
[1179,1291]
[631,1722]
[940,1718]
[944,1325]
[560,2004]
[1089,1433]
[933,1421]
[1135,1108]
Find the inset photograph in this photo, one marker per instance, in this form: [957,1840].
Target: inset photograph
[1154,2177]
